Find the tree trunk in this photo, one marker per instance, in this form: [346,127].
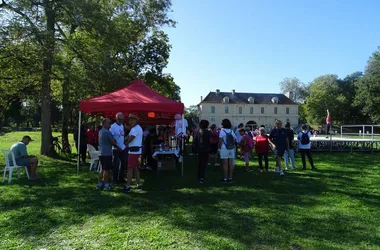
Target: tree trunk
[65,106]
[46,136]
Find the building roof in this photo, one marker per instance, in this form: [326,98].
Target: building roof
[242,98]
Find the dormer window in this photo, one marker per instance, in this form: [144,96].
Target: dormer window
[226,100]
[251,100]
[275,100]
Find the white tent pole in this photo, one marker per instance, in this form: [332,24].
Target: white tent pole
[78,142]
[183,140]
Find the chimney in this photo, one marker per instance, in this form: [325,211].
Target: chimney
[233,92]
[217,91]
[201,98]
[290,95]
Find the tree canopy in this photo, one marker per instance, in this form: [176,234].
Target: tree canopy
[351,100]
[57,52]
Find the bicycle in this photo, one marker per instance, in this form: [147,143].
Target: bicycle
[63,148]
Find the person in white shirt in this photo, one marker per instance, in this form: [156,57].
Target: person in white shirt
[178,131]
[305,147]
[178,126]
[119,156]
[227,141]
[134,141]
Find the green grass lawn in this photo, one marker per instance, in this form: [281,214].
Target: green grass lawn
[336,207]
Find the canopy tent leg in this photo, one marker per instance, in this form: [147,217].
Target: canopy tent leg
[78,142]
[183,141]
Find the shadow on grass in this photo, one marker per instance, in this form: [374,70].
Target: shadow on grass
[258,210]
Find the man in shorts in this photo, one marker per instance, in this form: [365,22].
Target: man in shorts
[134,141]
[119,157]
[106,141]
[23,159]
[279,137]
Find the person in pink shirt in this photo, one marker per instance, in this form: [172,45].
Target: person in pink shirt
[328,124]
[214,145]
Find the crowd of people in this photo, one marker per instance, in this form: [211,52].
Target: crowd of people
[122,144]
[229,143]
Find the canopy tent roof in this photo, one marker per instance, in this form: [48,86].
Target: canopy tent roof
[136,98]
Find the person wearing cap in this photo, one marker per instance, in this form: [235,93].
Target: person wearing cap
[134,141]
[23,159]
[119,157]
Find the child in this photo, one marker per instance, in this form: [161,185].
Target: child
[262,148]
[245,147]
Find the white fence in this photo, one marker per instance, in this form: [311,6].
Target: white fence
[364,131]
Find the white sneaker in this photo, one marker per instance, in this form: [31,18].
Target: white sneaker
[276,169]
[286,168]
[281,172]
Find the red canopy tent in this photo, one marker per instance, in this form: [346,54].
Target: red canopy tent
[136,98]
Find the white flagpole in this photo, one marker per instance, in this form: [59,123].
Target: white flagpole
[78,142]
[183,140]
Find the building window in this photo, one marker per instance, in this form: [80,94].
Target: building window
[251,110]
[213,109]
[275,110]
[226,110]
[262,110]
[240,110]
[213,119]
[287,111]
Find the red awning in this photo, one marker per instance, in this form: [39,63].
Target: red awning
[135,98]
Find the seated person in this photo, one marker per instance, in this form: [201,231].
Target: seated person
[23,159]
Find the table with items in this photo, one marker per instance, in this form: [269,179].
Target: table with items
[166,156]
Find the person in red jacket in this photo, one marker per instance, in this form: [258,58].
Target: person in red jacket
[92,137]
[262,148]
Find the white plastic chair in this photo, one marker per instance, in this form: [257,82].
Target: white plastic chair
[94,158]
[10,167]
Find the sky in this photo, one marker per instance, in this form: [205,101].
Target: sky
[252,45]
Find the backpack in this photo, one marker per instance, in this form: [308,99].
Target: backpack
[250,142]
[229,143]
[305,138]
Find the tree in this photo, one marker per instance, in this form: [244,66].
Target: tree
[103,45]
[352,111]
[324,94]
[191,115]
[368,89]
[163,84]
[294,85]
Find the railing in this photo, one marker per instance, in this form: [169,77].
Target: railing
[362,132]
